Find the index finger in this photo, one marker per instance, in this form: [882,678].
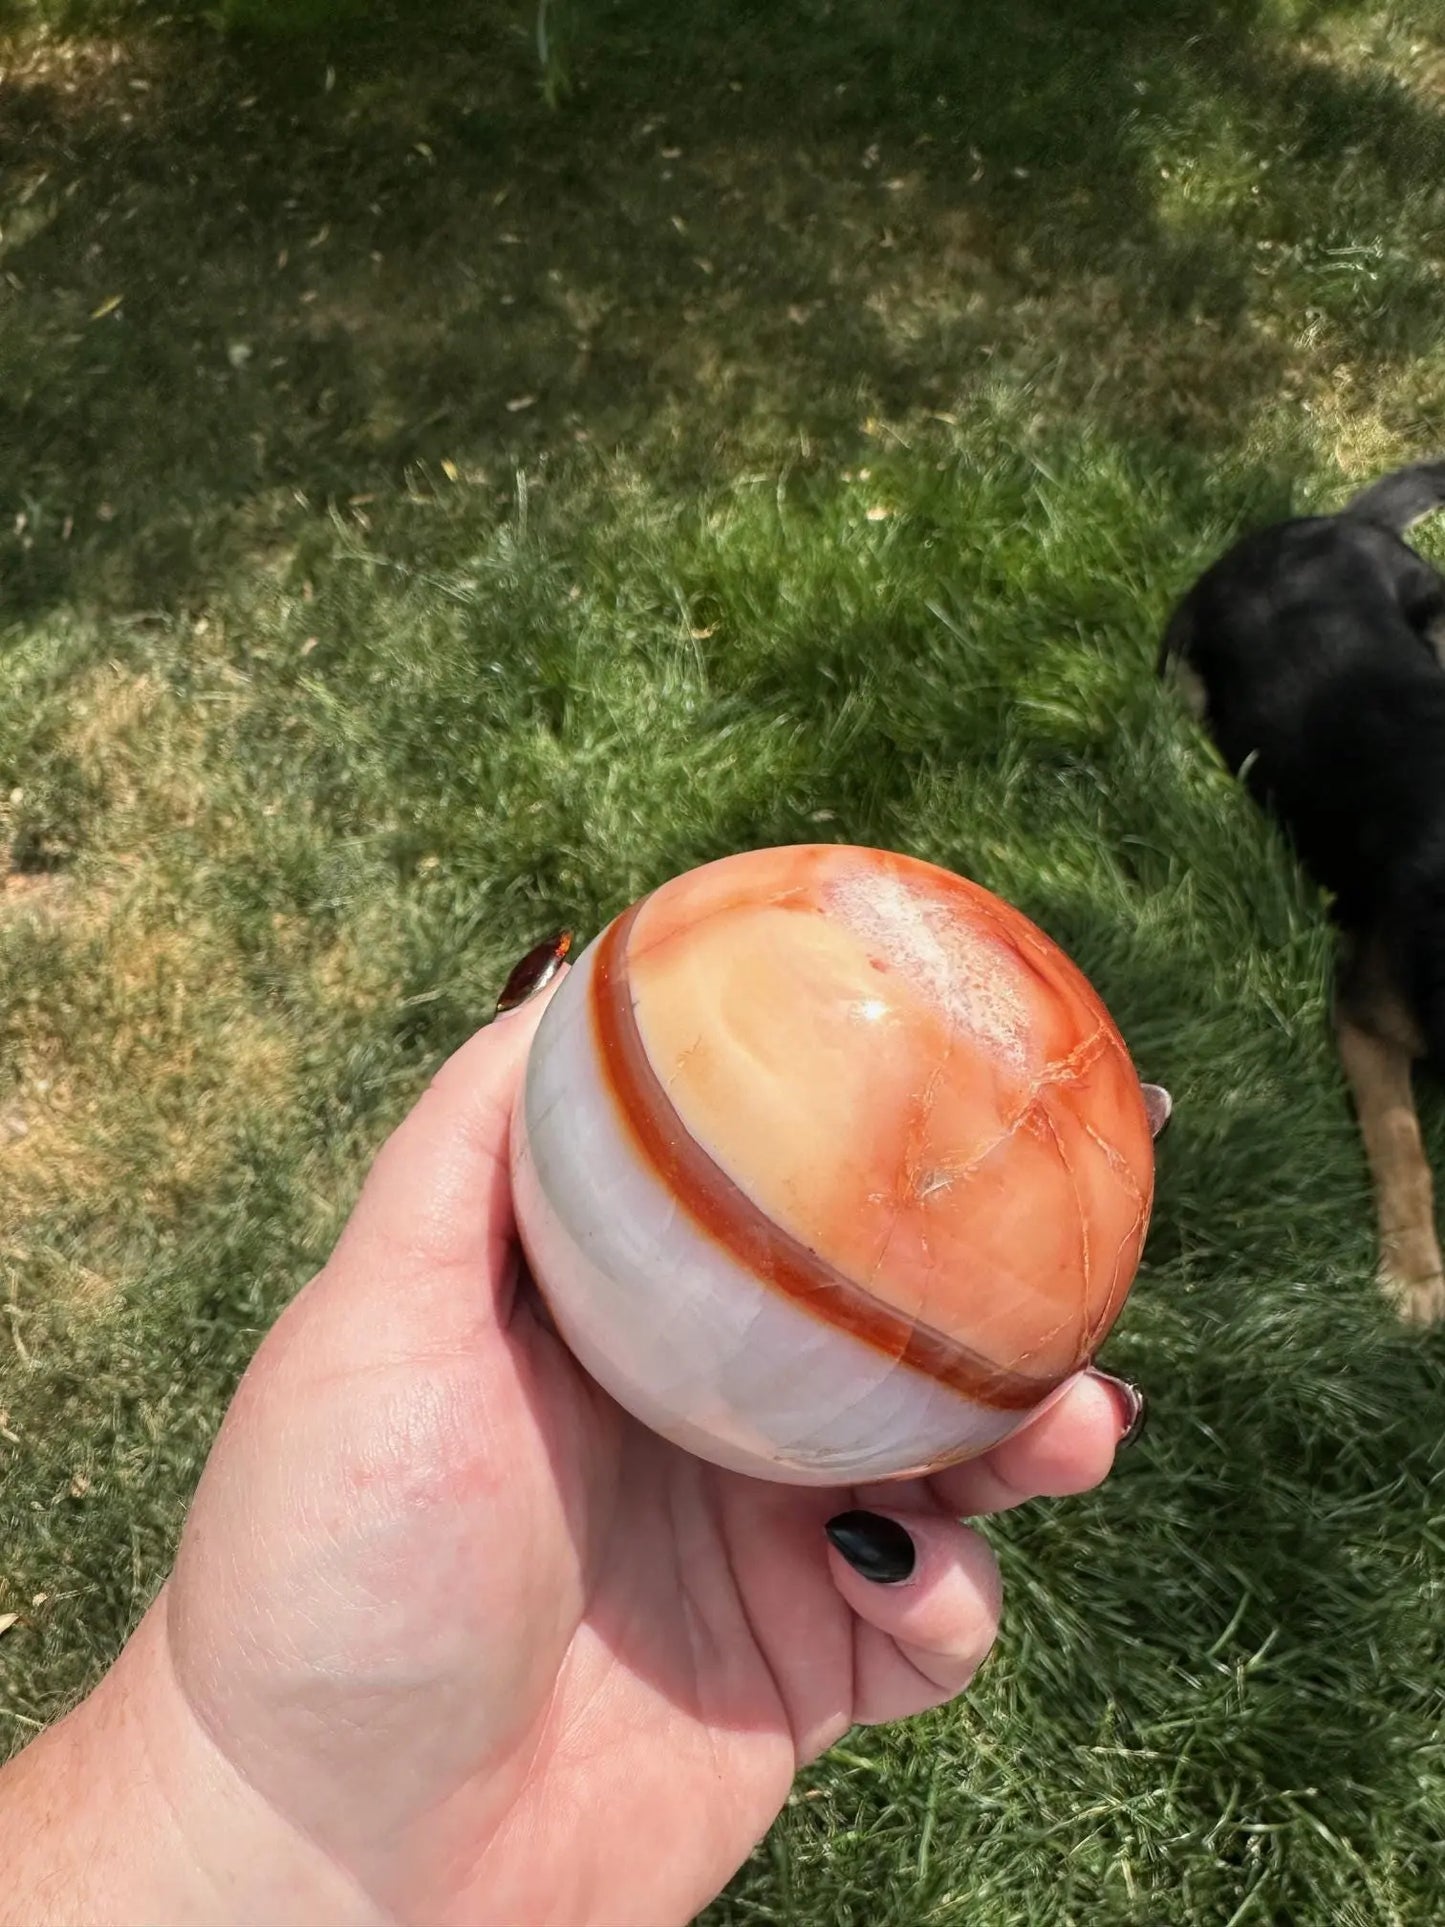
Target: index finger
[1068,1448]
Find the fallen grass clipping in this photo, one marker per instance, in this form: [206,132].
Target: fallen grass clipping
[440,503]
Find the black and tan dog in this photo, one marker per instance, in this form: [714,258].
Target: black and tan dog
[1312,654]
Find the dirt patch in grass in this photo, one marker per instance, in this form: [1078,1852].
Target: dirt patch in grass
[39,896]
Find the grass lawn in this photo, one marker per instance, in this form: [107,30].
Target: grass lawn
[440,499]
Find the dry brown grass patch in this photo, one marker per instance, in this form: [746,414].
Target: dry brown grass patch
[134,740]
[128,1084]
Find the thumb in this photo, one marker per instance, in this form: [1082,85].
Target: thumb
[438,1198]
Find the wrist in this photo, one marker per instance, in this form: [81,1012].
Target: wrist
[127,1814]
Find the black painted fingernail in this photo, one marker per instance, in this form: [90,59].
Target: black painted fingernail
[879,1548]
[1128,1402]
[1160,1107]
[534,972]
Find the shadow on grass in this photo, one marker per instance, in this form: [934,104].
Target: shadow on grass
[249,271]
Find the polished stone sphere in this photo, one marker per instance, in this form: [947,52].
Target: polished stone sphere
[829,1165]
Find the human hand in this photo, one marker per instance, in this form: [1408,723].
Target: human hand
[450,1638]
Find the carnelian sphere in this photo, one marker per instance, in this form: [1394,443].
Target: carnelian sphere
[830,1165]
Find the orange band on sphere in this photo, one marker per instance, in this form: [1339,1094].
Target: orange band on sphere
[891,1098]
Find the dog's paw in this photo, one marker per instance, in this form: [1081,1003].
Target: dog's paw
[1419,1298]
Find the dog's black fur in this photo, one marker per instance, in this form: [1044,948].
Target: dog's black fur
[1312,653]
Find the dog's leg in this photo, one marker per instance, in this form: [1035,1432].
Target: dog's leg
[1411,1272]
